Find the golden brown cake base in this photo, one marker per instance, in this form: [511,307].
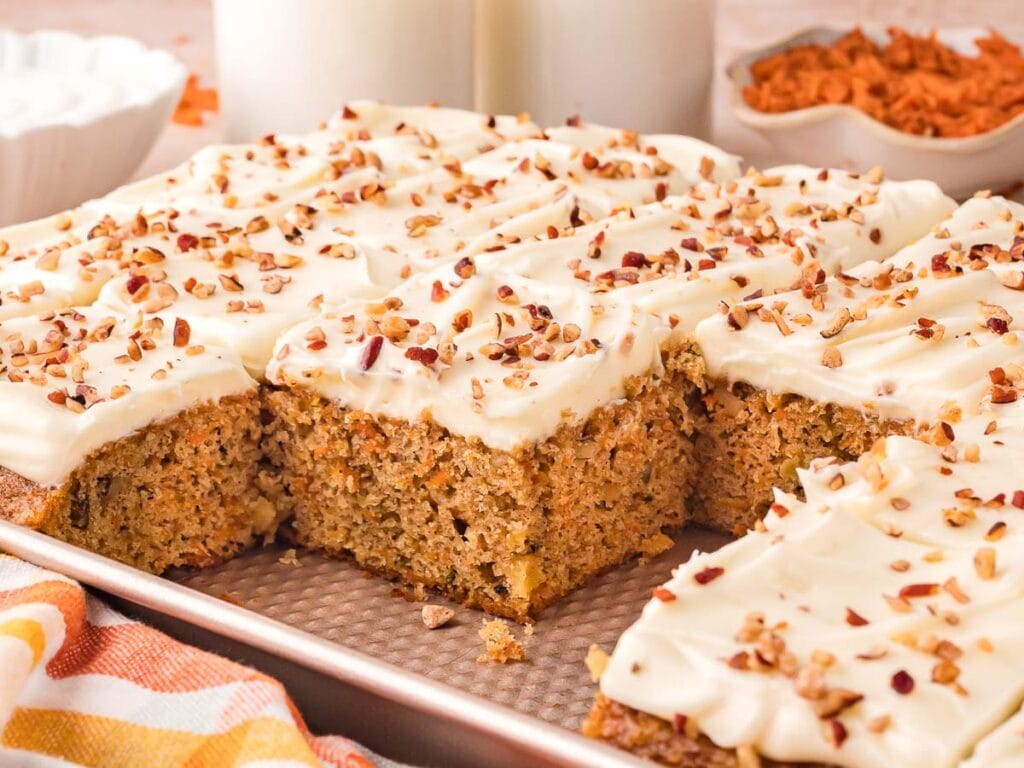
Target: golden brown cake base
[510,532]
[180,492]
[753,441]
[654,739]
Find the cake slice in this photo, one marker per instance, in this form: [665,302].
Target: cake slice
[128,440]
[243,242]
[879,622]
[880,349]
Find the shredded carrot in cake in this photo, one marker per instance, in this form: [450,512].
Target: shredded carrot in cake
[195,101]
[913,83]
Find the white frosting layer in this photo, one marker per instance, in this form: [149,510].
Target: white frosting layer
[490,354]
[365,142]
[53,263]
[887,638]
[1002,748]
[64,260]
[345,241]
[77,381]
[900,339]
[681,258]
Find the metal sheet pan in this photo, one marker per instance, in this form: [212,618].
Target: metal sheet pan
[356,657]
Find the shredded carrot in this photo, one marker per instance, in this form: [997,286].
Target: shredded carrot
[195,101]
[913,83]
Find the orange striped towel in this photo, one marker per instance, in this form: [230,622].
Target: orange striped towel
[81,684]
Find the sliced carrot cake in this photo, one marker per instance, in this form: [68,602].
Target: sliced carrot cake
[128,439]
[466,319]
[882,348]
[484,381]
[879,622]
[482,433]
[243,242]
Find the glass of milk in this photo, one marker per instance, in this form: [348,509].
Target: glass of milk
[645,64]
[284,65]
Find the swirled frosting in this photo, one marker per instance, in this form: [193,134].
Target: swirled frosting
[482,352]
[679,259]
[901,338]
[879,622]
[242,275]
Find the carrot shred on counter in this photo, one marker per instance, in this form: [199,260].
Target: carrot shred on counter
[913,83]
[194,101]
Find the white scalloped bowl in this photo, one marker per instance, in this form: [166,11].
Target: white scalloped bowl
[77,116]
[840,135]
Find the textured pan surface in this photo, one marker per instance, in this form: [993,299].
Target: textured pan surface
[339,602]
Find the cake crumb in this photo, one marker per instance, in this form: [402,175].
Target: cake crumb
[436,616]
[500,643]
[654,545]
[596,661]
[416,593]
[290,557]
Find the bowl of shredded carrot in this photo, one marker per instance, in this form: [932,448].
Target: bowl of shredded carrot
[946,105]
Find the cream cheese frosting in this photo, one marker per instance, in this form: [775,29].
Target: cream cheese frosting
[794,214]
[245,241]
[343,243]
[365,141]
[1002,748]
[75,380]
[680,258]
[55,262]
[876,623]
[65,259]
[899,339]
[484,353]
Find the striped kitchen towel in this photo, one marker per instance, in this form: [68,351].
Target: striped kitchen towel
[81,684]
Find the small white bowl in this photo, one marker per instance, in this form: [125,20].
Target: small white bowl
[77,116]
[840,135]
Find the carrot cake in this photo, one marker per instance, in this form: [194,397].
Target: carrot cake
[880,621]
[464,377]
[475,340]
[883,348]
[481,433]
[128,439]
